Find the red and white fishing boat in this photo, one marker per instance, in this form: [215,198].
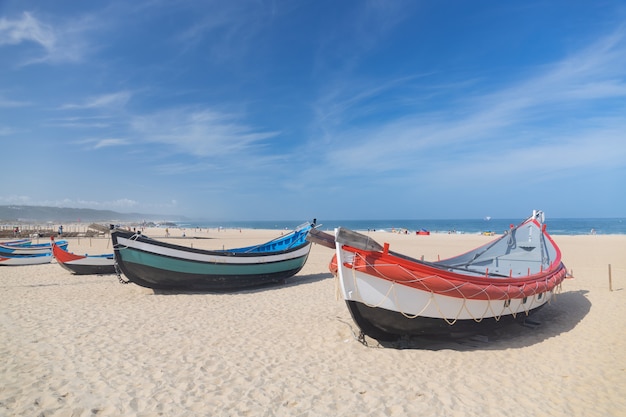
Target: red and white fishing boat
[390,295]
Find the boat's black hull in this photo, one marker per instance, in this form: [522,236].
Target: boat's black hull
[386,325]
[89,269]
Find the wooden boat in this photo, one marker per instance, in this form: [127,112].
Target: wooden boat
[84,264]
[17,242]
[390,295]
[160,265]
[32,249]
[18,260]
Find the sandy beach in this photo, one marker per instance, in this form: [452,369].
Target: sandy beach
[90,346]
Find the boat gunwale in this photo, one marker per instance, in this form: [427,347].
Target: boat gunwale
[185,249]
[442,270]
[432,269]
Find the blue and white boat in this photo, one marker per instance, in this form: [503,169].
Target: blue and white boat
[32,249]
[160,265]
[17,242]
[18,260]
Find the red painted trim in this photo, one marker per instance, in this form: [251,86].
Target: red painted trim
[63,256]
[426,278]
[441,281]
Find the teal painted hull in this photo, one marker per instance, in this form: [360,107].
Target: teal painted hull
[184,266]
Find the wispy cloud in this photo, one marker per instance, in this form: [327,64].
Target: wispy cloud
[347,101]
[200,132]
[353,36]
[9,103]
[26,29]
[16,199]
[112,100]
[225,31]
[106,143]
[62,42]
[119,204]
[511,123]
[99,143]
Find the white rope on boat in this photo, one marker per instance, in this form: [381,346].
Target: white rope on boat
[494,308]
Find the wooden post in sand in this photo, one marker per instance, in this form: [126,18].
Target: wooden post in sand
[610,279]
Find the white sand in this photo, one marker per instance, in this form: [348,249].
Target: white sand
[89,346]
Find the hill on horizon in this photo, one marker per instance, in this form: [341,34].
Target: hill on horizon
[24,214]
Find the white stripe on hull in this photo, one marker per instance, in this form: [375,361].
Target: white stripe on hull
[92,261]
[26,260]
[201,257]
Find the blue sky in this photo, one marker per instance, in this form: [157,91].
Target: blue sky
[269,110]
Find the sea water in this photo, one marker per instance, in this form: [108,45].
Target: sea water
[601,226]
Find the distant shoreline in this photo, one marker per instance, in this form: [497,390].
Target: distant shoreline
[556,227]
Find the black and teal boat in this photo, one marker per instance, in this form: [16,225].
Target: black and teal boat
[160,265]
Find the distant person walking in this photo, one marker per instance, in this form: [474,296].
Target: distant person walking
[61,230]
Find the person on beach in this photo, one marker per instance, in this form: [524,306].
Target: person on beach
[61,230]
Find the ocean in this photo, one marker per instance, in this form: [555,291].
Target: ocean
[603,226]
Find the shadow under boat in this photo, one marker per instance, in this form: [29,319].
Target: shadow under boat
[551,321]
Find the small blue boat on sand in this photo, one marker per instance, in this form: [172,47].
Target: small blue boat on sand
[31,249]
[17,242]
[18,260]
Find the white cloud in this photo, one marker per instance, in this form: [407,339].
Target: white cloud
[26,29]
[106,143]
[199,132]
[550,119]
[64,41]
[16,199]
[112,100]
[119,204]
[100,143]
